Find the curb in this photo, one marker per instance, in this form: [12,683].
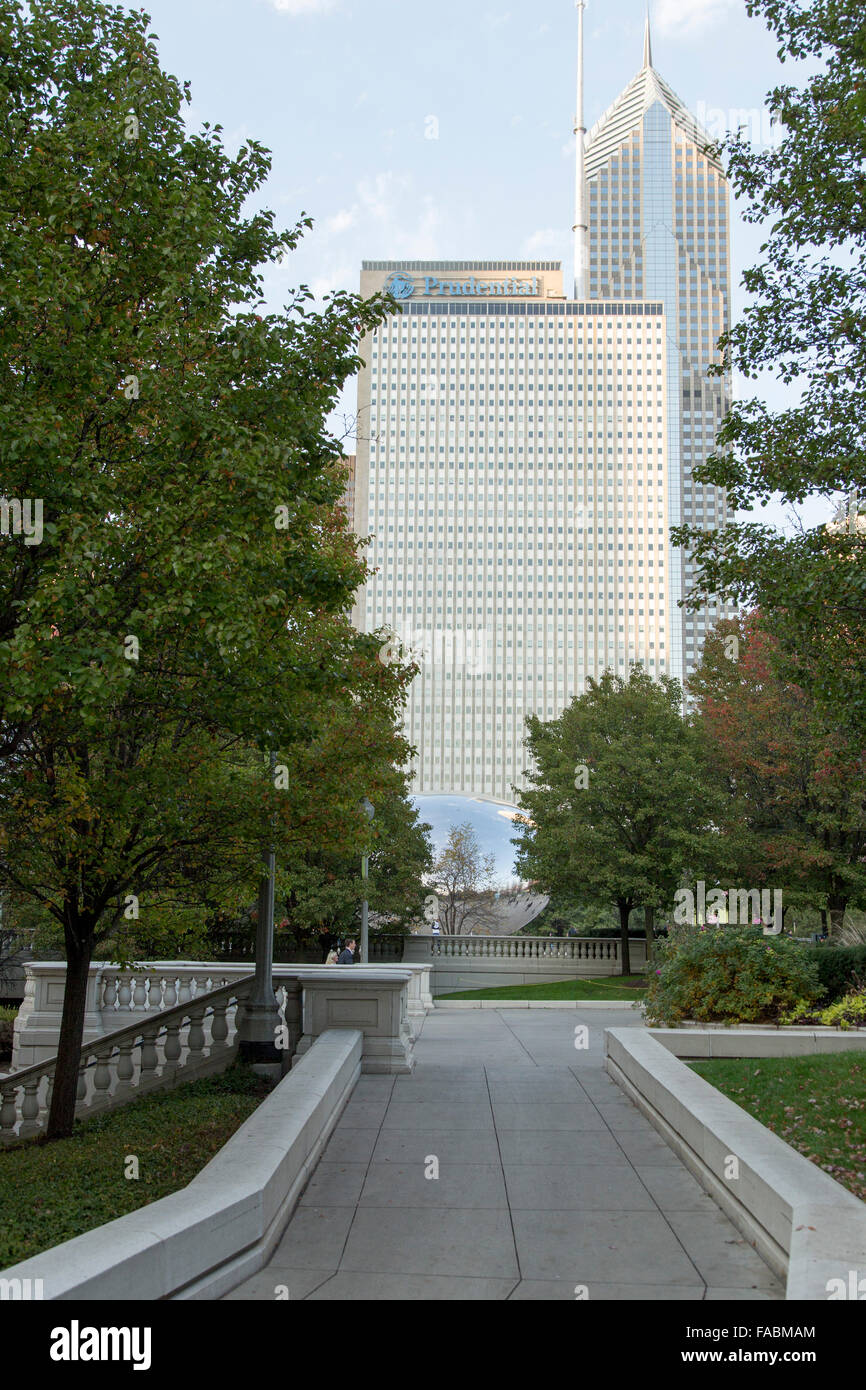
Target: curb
[445,1004]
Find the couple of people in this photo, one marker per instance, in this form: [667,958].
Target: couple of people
[345,957]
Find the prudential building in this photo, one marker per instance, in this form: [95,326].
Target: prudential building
[523,453]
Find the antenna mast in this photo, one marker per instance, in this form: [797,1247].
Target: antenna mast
[581,226]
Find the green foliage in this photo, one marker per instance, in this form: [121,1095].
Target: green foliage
[839,967]
[619,799]
[794,810]
[728,975]
[806,325]
[52,1192]
[189,604]
[847,1012]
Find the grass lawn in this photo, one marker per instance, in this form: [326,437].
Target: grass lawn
[608,987]
[816,1104]
[51,1192]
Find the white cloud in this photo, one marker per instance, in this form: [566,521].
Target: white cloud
[341,221]
[546,239]
[673,18]
[378,216]
[297,7]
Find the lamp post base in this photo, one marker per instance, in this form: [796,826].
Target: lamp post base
[257,1034]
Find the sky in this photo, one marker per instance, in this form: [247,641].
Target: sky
[446,133]
[492,823]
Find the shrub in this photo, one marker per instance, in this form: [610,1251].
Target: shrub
[849,1012]
[839,968]
[7,1023]
[729,975]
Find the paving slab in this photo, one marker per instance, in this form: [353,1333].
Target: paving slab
[414,1240]
[549,1181]
[575,1187]
[722,1255]
[549,1115]
[611,1247]
[350,1146]
[433,1115]
[478,1185]
[412,1288]
[449,1146]
[271,1284]
[563,1291]
[335,1185]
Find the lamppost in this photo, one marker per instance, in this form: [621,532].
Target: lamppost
[260,1017]
[370,813]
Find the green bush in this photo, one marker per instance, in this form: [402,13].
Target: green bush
[848,1012]
[729,975]
[7,1023]
[839,968]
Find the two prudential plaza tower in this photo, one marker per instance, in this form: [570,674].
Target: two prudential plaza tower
[523,455]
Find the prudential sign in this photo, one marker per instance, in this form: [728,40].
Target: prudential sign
[401,286]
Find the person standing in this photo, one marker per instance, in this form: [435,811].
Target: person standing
[347,955]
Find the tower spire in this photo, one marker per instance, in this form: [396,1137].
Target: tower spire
[647,43]
[581,226]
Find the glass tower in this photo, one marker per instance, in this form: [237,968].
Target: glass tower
[659,229]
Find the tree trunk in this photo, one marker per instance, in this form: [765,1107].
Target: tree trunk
[823,912]
[648,919]
[61,1117]
[624,913]
[836,906]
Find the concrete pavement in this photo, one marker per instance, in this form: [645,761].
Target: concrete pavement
[508,1166]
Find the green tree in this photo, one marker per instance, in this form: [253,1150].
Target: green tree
[796,812]
[620,802]
[188,600]
[321,890]
[462,879]
[806,326]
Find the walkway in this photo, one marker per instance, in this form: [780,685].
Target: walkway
[549,1179]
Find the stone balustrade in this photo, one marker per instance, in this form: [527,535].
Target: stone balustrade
[477,962]
[196,1038]
[557,948]
[115,994]
[147,1024]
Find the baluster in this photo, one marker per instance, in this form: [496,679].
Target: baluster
[195,1037]
[101,1079]
[30,1108]
[149,1056]
[109,994]
[139,998]
[185,994]
[124,1069]
[81,1087]
[169,993]
[219,1027]
[171,1048]
[293,1013]
[124,994]
[8,1111]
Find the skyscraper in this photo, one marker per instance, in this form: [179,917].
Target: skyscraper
[522,455]
[659,228]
